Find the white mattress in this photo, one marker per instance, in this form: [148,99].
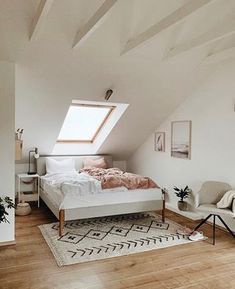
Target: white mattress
[106,197]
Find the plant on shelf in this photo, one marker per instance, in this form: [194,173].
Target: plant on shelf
[5,203]
[182,194]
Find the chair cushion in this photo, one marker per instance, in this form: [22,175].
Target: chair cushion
[211,208]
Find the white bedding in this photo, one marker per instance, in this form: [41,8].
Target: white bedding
[65,186]
[73,183]
[69,190]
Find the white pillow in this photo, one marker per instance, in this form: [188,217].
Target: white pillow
[60,166]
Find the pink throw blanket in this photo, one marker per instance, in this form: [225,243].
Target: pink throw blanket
[114,177]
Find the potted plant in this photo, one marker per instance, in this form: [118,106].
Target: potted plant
[182,194]
[5,203]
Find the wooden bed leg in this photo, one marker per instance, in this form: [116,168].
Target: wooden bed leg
[61,225]
[163,204]
[163,211]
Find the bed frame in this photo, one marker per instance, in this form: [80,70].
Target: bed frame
[94,211]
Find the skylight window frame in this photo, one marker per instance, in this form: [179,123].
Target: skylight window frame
[111,109]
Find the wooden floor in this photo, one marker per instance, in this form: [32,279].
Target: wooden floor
[30,264]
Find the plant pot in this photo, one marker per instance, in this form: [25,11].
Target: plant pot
[182,206]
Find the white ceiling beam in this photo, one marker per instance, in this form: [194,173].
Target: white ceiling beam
[93,23]
[39,18]
[177,16]
[220,56]
[219,33]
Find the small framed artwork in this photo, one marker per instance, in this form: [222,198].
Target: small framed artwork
[159,141]
[181,139]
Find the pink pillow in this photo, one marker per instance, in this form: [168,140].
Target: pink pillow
[96,163]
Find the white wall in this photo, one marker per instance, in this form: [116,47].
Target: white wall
[211,109]
[7,143]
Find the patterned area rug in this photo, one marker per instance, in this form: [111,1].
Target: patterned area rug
[106,237]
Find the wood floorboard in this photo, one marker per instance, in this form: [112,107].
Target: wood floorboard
[30,265]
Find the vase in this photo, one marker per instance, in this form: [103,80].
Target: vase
[182,206]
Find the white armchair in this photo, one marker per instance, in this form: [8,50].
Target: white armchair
[206,199]
[209,195]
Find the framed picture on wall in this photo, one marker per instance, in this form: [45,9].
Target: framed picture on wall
[159,141]
[181,139]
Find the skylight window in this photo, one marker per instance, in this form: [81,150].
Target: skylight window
[83,122]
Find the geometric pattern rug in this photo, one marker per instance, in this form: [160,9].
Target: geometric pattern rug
[100,238]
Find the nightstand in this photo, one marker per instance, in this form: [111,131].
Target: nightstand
[28,196]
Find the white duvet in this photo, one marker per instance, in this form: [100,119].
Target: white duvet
[67,190]
[73,184]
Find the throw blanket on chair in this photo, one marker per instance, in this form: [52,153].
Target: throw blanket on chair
[227,200]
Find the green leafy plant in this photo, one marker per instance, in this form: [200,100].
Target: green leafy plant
[182,193]
[5,203]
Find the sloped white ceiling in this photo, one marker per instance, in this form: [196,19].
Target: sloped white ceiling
[50,74]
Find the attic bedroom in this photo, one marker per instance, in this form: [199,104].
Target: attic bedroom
[117,144]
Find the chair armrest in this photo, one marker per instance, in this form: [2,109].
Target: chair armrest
[233,207]
[197,200]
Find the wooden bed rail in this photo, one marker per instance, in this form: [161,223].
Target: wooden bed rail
[62,213]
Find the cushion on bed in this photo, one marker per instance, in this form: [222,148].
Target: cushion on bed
[95,163]
[60,166]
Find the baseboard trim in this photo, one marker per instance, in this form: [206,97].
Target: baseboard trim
[187,214]
[9,243]
[195,217]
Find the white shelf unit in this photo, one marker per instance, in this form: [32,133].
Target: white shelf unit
[28,196]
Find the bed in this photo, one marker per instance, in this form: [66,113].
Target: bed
[107,202]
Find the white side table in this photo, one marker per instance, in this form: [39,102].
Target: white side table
[25,197]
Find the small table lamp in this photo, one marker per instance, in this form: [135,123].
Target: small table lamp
[36,156]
